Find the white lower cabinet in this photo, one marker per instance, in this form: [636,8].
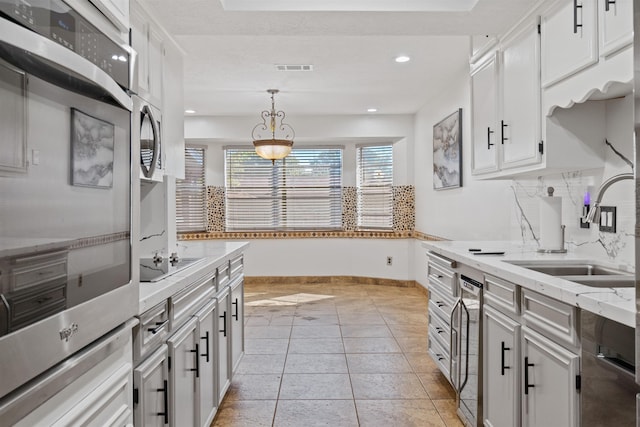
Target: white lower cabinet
[237,323]
[184,354]
[151,390]
[501,386]
[208,333]
[550,382]
[224,341]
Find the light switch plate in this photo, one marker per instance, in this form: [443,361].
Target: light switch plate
[608,219]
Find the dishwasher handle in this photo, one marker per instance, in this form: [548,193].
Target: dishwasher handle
[466,367]
[452,341]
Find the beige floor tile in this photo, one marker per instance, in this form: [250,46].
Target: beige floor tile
[365,331]
[312,319]
[254,387]
[282,319]
[245,413]
[387,386]
[316,364]
[437,385]
[401,330]
[371,345]
[311,413]
[384,363]
[316,345]
[262,364]
[259,320]
[361,319]
[447,410]
[267,331]
[406,317]
[421,362]
[413,345]
[315,387]
[266,346]
[401,413]
[316,331]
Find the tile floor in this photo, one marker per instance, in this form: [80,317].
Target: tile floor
[331,355]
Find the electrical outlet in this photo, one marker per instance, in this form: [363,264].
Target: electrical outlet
[389,260]
[608,219]
[585,211]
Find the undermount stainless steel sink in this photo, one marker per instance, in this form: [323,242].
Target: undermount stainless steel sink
[588,274]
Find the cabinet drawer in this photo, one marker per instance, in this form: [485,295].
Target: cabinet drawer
[441,273]
[554,319]
[223,275]
[236,266]
[28,307]
[186,302]
[151,331]
[439,331]
[439,356]
[440,305]
[503,295]
[26,272]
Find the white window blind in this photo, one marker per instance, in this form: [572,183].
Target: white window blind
[191,192]
[375,187]
[301,192]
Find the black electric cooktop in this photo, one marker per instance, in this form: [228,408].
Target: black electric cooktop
[152,270]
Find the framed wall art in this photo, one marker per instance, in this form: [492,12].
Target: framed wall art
[92,147]
[447,152]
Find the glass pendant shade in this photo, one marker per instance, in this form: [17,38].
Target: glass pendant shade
[272,140]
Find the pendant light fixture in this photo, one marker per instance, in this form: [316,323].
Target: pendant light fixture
[273,138]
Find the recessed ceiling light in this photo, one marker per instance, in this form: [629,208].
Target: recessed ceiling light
[402,58]
[190,111]
[371,110]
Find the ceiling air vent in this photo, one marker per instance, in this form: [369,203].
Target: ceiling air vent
[290,67]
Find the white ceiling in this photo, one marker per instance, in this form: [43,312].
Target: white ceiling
[231,55]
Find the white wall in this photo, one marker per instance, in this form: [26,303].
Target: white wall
[479,210]
[330,256]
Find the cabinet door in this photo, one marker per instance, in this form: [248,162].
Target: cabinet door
[156,55]
[549,383]
[139,43]
[173,111]
[484,93]
[151,388]
[616,25]
[501,370]
[519,131]
[224,337]
[184,348]
[208,333]
[116,10]
[237,323]
[569,39]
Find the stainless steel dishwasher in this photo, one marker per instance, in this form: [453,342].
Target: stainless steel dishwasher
[466,347]
[608,372]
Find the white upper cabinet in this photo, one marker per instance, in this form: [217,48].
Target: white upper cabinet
[484,115]
[505,98]
[520,111]
[116,10]
[147,41]
[616,25]
[569,39]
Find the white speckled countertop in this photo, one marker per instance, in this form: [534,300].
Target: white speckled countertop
[614,303]
[211,252]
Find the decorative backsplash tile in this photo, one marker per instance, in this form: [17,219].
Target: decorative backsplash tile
[216,209]
[404,207]
[349,208]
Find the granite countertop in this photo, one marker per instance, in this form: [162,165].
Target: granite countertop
[618,304]
[211,252]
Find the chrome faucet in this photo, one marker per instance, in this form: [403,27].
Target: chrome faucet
[593,215]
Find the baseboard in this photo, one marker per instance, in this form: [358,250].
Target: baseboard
[330,280]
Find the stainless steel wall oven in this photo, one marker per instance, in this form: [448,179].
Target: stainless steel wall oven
[65,184]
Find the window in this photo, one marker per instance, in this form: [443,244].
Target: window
[375,191]
[302,191]
[191,192]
